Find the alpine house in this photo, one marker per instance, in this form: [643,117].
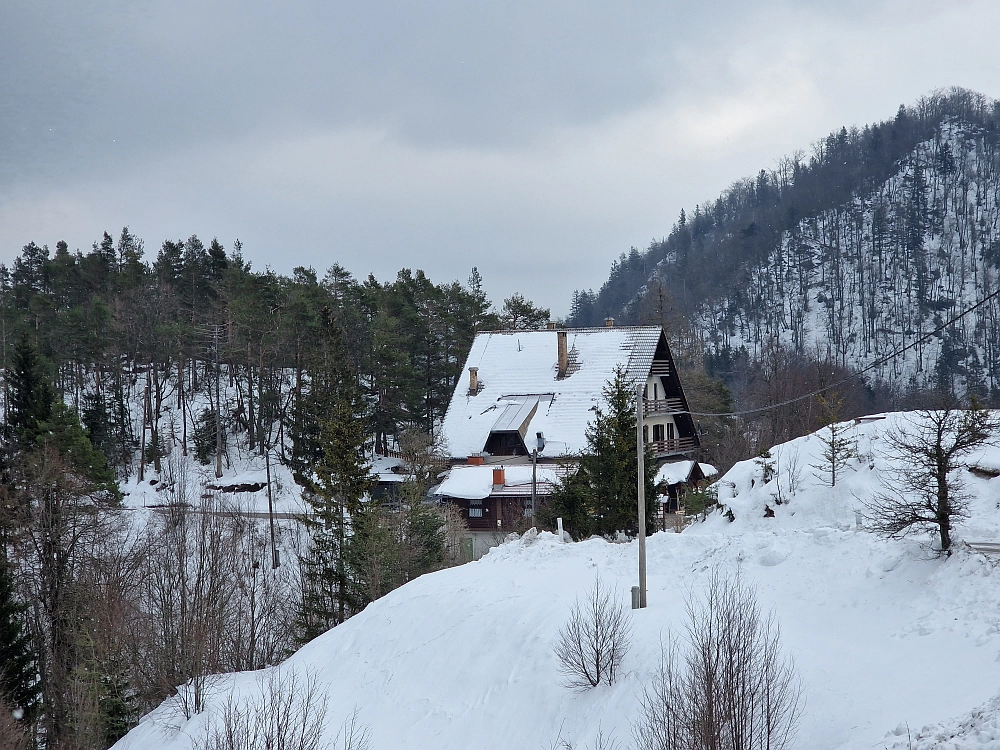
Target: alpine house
[530,395]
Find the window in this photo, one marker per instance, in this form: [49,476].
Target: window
[670,431]
[656,394]
[475,509]
[657,432]
[645,433]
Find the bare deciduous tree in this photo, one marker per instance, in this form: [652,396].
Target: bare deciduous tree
[920,489]
[209,602]
[729,687]
[593,644]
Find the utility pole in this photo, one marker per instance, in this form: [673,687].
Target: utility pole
[534,482]
[275,562]
[218,407]
[145,418]
[640,456]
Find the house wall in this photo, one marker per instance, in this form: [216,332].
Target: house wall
[482,515]
[655,391]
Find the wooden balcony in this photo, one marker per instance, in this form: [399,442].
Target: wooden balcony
[663,406]
[672,447]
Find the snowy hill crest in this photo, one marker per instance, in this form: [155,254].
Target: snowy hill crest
[885,634]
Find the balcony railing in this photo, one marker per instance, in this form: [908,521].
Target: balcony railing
[663,406]
[672,447]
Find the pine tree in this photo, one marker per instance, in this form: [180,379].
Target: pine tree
[520,314]
[19,685]
[335,480]
[334,491]
[601,497]
[29,394]
[838,447]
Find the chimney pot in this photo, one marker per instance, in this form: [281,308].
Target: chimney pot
[563,353]
[550,326]
[609,322]
[473,380]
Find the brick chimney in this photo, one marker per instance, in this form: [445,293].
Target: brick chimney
[476,459]
[550,326]
[498,478]
[609,322]
[473,380]
[563,352]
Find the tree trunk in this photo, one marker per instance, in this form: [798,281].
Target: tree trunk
[251,422]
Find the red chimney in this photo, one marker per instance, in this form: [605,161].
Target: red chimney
[476,459]
[498,478]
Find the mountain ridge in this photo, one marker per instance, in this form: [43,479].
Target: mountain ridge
[901,217]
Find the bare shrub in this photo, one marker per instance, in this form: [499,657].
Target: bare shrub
[729,687]
[593,644]
[793,472]
[661,724]
[353,735]
[290,715]
[601,742]
[456,532]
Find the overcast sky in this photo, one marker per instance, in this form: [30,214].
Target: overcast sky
[536,140]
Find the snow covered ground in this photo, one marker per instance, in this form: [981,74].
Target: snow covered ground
[894,644]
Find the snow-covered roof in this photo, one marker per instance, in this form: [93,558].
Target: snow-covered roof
[519,387]
[476,482]
[385,468]
[676,472]
[708,470]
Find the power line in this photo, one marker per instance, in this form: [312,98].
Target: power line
[859,373]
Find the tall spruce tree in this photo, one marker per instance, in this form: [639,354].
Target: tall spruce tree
[601,497]
[29,394]
[335,482]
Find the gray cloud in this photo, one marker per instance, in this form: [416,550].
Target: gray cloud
[535,140]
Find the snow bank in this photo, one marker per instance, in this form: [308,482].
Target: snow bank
[884,634]
[977,730]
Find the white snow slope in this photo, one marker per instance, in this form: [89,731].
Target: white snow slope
[894,644]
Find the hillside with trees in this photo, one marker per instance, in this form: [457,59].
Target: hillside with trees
[833,260]
[154,378]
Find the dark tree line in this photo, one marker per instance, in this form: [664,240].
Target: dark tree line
[111,325]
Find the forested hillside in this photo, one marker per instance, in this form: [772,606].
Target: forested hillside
[149,411]
[108,323]
[841,256]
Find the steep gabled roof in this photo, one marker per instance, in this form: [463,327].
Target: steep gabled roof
[518,381]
